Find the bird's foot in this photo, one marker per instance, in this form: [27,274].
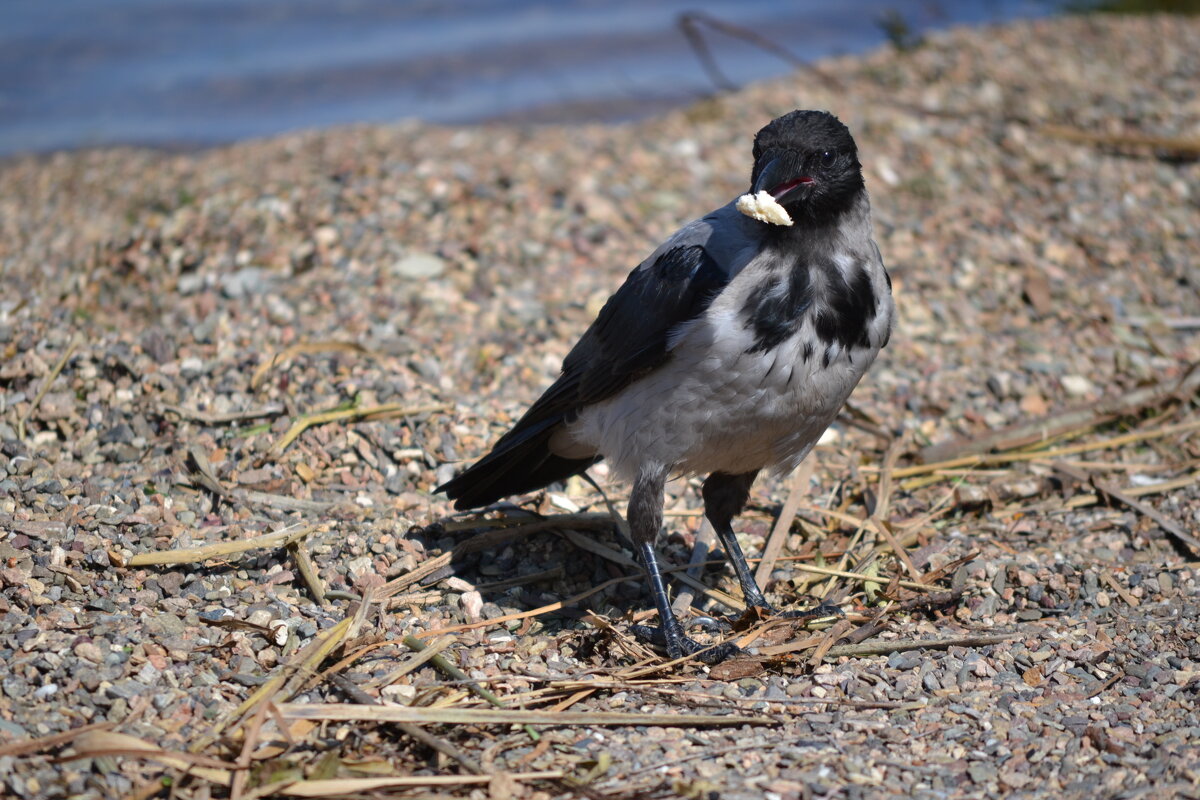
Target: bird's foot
[677,644]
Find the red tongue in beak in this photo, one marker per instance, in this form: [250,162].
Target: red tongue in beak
[783,188]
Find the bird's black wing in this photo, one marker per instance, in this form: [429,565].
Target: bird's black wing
[631,334]
[629,339]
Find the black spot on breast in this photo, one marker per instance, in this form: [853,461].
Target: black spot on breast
[808,350]
[774,311]
[849,308]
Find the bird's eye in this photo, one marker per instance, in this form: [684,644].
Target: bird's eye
[828,157]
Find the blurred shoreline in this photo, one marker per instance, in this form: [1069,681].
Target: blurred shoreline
[190,74]
[187,76]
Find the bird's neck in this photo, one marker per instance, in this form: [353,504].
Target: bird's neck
[825,233]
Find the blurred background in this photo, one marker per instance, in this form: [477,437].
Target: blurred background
[186,73]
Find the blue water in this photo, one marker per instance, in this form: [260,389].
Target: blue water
[77,73]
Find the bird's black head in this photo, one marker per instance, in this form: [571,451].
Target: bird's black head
[808,162]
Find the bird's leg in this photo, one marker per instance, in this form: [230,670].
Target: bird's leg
[724,498]
[645,518]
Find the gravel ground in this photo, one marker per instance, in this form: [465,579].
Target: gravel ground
[165,320]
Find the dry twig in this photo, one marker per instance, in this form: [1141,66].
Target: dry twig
[1173,528]
[779,533]
[414,731]
[442,663]
[1174,146]
[1040,430]
[196,415]
[195,555]
[510,716]
[701,546]
[37,399]
[373,413]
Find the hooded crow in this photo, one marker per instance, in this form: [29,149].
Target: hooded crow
[729,350]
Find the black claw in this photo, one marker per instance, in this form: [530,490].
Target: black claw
[715,655]
[710,624]
[678,645]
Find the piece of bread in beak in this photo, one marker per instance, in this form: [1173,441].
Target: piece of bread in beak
[762,207]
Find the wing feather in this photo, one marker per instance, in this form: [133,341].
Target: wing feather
[630,336]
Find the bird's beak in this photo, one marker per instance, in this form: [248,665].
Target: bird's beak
[775,181]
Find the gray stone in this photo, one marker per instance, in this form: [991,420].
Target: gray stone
[165,625]
[191,282]
[126,689]
[417,266]
[245,282]
[124,454]
[102,603]
[13,730]
[904,660]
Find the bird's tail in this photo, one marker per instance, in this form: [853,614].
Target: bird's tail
[516,465]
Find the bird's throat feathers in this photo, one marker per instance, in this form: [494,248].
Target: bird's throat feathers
[818,221]
[820,272]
